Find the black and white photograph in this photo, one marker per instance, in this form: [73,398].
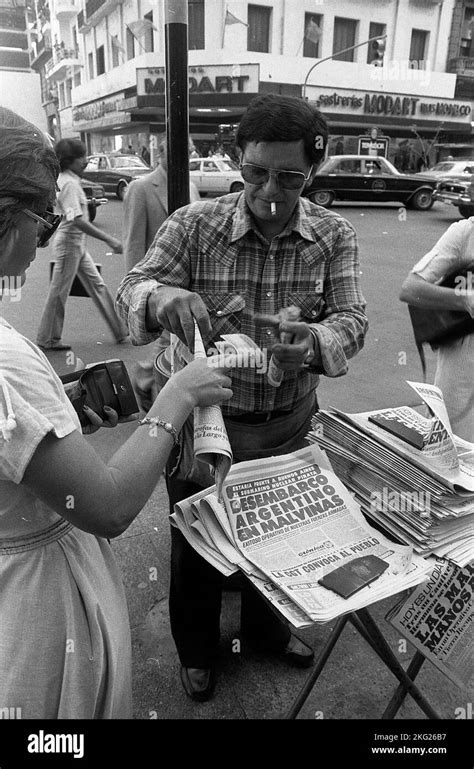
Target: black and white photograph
[236,376]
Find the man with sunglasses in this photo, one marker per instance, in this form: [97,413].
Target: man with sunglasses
[237,264]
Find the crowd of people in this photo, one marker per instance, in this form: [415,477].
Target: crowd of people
[220,263]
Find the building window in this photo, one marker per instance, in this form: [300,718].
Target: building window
[130,45]
[419,40]
[312,35]
[62,103]
[345,31]
[115,52]
[148,36]
[466,47]
[68,92]
[77,79]
[100,59]
[90,63]
[196,24]
[375,30]
[258,31]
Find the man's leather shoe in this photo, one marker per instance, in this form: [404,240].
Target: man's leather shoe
[298,653]
[198,683]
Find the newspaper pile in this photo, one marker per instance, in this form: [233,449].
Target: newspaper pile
[288,522]
[409,473]
[437,619]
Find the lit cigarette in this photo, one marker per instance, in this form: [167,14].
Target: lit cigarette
[273,208]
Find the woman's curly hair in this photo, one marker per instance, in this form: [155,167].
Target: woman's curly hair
[28,168]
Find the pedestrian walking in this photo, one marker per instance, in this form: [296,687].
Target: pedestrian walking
[71,256]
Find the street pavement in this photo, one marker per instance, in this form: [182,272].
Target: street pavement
[354,683]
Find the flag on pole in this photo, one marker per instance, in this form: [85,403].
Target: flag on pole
[140,27]
[231,19]
[312,32]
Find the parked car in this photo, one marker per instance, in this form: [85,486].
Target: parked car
[459,168]
[114,172]
[95,197]
[215,175]
[458,193]
[368,178]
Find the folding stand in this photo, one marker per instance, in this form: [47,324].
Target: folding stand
[369,630]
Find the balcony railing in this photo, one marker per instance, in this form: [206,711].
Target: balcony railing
[61,54]
[462,65]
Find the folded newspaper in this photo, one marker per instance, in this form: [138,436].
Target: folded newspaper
[287,522]
[437,618]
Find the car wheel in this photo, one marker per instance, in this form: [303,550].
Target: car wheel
[322,198]
[121,190]
[421,200]
[236,187]
[466,211]
[92,211]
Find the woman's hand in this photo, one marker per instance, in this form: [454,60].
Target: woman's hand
[96,422]
[203,385]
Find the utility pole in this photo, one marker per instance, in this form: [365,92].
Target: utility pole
[338,53]
[177,111]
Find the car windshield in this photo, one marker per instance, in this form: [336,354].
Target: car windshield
[127,162]
[443,167]
[357,165]
[227,165]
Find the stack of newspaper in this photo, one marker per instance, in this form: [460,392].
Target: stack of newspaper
[290,525]
[409,473]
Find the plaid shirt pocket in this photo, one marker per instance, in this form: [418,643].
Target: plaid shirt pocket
[225,312]
[311,305]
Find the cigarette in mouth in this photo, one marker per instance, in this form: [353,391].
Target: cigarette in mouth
[273,208]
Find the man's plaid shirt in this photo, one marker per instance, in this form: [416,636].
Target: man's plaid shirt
[214,248]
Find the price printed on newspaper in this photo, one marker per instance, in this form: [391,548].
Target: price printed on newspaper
[295,520]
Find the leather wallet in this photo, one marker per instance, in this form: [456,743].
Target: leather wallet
[102,384]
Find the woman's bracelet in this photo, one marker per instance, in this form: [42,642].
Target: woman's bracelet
[161,423]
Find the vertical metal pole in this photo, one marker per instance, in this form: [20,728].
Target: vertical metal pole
[177,112]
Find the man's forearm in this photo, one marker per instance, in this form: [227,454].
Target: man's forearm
[90,229]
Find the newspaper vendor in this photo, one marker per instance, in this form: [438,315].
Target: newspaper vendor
[222,263]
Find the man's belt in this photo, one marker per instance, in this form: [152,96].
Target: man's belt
[256,417]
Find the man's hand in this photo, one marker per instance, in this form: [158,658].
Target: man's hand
[115,245]
[292,354]
[176,309]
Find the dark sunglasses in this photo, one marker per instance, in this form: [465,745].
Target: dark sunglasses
[290,180]
[50,225]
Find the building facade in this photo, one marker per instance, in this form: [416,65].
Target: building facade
[108,69]
[19,85]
